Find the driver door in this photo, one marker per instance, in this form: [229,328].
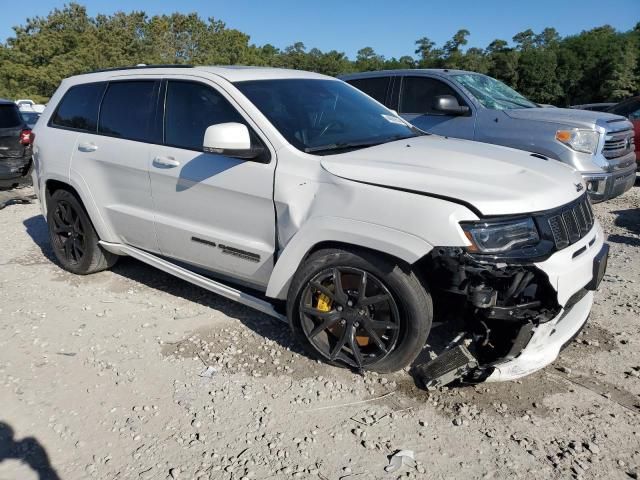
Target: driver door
[211,211]
[417,99]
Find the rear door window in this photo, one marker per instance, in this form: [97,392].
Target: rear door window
[78,109]
[630,108]
[419,95]
[190,108]
[10,116]
[374,87]
[128,111]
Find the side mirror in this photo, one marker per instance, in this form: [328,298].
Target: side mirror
[231,140]
[448,104]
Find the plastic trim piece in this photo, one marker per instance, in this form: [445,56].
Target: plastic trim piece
[196,279]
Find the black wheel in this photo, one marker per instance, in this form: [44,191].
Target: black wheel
[360,310]
[74,240]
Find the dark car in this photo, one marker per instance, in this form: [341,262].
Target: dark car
[630,108]
[16,140]
[594,107]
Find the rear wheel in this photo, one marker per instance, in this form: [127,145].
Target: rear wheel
[73,238]
[360,310]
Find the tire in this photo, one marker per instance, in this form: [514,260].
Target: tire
[400,317]
[73,238]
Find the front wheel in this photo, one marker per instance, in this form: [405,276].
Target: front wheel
[360,309]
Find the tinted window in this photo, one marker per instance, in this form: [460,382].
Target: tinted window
[374,87]
[628,108]
[128,110]
[319,116]
[9,116]
[192,107]
[79,107]
[419,94]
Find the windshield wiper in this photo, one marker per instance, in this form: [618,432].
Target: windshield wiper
[340,146]
[331,147]
[524,105]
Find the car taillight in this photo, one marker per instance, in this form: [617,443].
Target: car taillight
[27,137]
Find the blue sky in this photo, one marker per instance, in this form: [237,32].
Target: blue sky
[390,27]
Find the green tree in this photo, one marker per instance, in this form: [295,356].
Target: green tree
[367,60]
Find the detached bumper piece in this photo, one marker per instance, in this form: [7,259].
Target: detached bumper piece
[447,367]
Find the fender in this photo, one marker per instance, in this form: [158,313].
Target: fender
[84,192]
[316,230]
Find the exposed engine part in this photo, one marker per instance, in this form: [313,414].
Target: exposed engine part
[503,291]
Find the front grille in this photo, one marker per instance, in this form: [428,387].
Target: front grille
[618,144]
[571,222]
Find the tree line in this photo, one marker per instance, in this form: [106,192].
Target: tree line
[597,65]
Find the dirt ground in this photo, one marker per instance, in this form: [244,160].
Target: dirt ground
[106,377]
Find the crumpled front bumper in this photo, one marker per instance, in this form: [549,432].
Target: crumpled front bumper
[569,271]
[545,344]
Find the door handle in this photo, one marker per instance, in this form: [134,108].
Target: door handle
[87,147]
[165,162]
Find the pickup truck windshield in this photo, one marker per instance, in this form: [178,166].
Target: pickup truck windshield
[492,93]
[325,116]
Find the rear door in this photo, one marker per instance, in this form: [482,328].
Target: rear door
[212,211]
[12,152]
[114,159]
[417,98]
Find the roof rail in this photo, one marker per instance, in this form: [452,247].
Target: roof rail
[142,67]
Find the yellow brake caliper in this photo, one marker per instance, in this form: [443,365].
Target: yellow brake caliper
[324,303]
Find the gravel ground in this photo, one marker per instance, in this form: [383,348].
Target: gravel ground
[132,374]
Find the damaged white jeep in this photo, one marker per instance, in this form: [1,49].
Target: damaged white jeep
[294,192]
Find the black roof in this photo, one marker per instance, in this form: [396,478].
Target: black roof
[4,101]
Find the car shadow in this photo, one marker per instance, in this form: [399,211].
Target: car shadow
[203,166]
[28,451]
[132,269]
[261,324]
[39,232]
[629,220]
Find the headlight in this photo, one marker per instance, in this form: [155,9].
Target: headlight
[580,140]
[494,237]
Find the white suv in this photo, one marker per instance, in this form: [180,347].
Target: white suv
[288,190]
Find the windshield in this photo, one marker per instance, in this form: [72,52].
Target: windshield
[30,117]
[323,116]
[492,93]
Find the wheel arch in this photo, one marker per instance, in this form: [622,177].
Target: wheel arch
[52,184]
[335,232]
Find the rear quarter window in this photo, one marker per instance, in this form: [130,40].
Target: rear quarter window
[10,116]
[78,109]
[374,87]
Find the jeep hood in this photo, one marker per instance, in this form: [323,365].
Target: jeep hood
[494,180]
[569,117]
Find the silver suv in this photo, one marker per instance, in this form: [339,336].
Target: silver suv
[300,196]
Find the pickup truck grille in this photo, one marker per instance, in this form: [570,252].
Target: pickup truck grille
[571,223]
[618,144]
